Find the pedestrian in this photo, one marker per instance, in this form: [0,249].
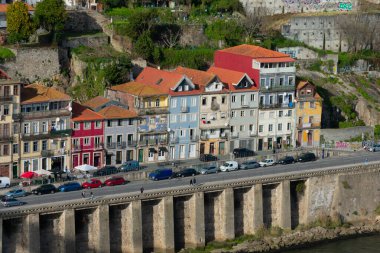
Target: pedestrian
[142,190]
[366,161]
[191,181]
[194,181]
[91,195]
[83,194]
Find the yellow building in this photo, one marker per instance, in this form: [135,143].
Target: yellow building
[9,118]
[309,115]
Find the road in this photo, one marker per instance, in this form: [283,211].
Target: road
[355,158]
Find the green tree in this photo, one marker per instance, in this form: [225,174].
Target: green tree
[19,23]
[118,72]
[51,15]
[140,22]
[228,31]
[144,46]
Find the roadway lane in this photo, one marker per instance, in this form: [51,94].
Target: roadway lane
[355,158]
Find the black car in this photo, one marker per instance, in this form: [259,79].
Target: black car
[106,170]
[286,160]
[186,173]
[306,157]
[242,152]
[44,189]
[208,158]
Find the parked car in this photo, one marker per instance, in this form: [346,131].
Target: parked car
[207,158]
[286,160]
[114,181]
[209,170]
[249,165]
[16,193]
[160,174]
[106,170]
[267,162]
[129,166]
[188,172]
[306,157]
[229,166]
[92,183]
[70,186]
[374,148]
[7,202]
[242,152]
[5,182]
[44,189]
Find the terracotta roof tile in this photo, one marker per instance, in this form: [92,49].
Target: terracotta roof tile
[254,51]
[302,84]
[198,77]
[140,89]
[230,77]
[35,93]
[4,7]
[116,112]
[82,113]
[160,78]
[96,102]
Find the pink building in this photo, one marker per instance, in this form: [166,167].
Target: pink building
[87,137]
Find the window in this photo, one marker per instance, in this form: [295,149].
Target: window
[242,98]
[270,100]
[291,80]
[44,145]
[262,81]
[251,128]
[270,127]
[119,122]
[87,125]
[86,141]
[130,122]
[109,123]
[252,113]
[183,117]
[204,101]
[26,147]
[242,113]
[233,98]
[289,113]
[44,127]
[98,124]
[252,97]
[289,126]
[193,101]
[119,139]
[173,118]
[53,124]
[161,152]
[157,102]
[223,115]
[35,146]
[183,102]
[193,117]
[280,99]
[152,121]
[233,114]
[242,128]
[173,103]
[26,128]
[35,127]
[223,99]
[118,157]
[312,105]
[86,158]
[261,128]
[76,125]
[182,133]
[281,81]
[311,119]
[6,110]
[279,128]
[62,144]
[15,148]
[280,113]
[5,149]
[15,90]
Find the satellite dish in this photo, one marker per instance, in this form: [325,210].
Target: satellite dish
[57,119]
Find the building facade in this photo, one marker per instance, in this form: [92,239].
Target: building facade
[9,126]
[45,129]
[87,137]
[309,115]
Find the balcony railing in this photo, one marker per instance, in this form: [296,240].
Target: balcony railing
[277,88]
[118,145]
[223,136]
[276,105]
[185,109]
[98,146]
[47,153]
[61,133]
[5,137]
[309,125]
[153,110]
[194,138]
[174,140]
[76,148]
[234,135]
[153,142]
[131,143]
[35,136]
[6,99]
[16,116]
[46,114]
[205,137]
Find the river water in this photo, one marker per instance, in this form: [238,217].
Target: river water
[368,244]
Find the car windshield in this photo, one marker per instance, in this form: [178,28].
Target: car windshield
[226,164]
[13,191]
[89,181]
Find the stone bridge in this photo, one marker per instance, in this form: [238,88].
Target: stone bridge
[172,219]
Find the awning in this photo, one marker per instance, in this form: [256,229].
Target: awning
[153,150]
[164,149]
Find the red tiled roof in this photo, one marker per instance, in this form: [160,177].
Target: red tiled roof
[140,89]
[301,84]
[254,52]
[96,102]
[198,77]
[4,7]
[82,113]
[116,112]
[160,78]
[3,75]
[231,78]
[36,93]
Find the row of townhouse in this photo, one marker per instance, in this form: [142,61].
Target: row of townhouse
[248,99]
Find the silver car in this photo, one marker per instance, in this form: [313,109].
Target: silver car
[16,193]
[249,165]
[375,148]
[7,202]
[208,170]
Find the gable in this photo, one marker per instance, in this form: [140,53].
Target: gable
[214,85]
[245,82]
[308,89]
[184,84]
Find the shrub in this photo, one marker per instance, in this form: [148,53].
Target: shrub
[300,187]
[346,185]
[6,54]
[315,66]
[198,58]
[377,210]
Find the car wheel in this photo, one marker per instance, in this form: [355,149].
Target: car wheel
[7,186]
[52,191]
[265,165]
[182,175]
[39,193]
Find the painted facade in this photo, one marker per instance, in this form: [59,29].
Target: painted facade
[309,115]
[45,130]
[87,137]
[9,126]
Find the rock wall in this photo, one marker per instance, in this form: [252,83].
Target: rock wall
[367,113]
[81,21]
[96,40]
[342,134]
[192,35]
[33,63]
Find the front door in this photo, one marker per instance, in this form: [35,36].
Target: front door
[212,148]
[97,160]
[192,150]
[202,149]
[14,170]
[172,153]
[299,142]
[310,138]
[260,146]
[181,151]
[129,155]
[221,148]
[141,155]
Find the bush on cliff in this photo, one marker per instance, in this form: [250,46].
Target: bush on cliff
[19,23]
[51,15]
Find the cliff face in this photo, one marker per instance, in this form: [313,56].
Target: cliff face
[366,112]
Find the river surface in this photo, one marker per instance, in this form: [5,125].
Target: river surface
[369,244]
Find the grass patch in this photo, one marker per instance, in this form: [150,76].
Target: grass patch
[346,185]
[103,54]
[6,54]
[365,95]
[300,187]
[197,58]
[377,210]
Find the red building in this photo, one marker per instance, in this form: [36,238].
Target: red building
[87,137]
[255,61]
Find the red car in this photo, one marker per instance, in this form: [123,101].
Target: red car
[92,183]
[114,181]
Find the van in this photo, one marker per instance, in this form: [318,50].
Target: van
[5,182]
[161,174]
[229,166]
[129,166]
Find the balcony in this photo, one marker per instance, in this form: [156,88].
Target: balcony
[277,88]
[61,133]
[46,114]
[185,109]
[35,136]
[116,145]
[234,135]
[205,137]
[6,99]
[194,138]
[153,142]
[252,134]
[76,148]
[291,69]
[309,125]
[47,153]
[16,116]
[153,111]
[276,106]
[6,137]
[98,146]
[131,143]
[174,140]
[224,136]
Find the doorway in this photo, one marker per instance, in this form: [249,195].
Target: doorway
[260,146]
[221,148]
[310,138]
[141,155]
[202,148]
[97,159]
[212,148]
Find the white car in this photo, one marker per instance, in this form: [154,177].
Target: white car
[267,162]
[374,148]
[229,166]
